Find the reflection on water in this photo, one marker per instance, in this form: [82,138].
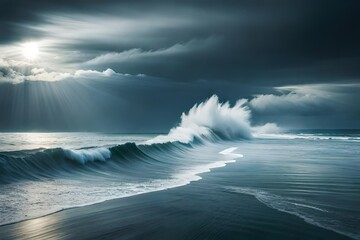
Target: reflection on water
[32,140]
[37,228]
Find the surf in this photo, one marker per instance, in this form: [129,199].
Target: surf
[195,146]
[208,122]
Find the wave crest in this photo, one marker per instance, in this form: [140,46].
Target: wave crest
[52,163]
[88,155]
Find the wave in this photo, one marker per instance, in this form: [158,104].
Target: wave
[66,193]
[309,213]
[51,163]
[207,122]
[45,164]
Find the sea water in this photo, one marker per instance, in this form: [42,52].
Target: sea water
[313,175]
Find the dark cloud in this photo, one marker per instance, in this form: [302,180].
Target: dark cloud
[266,41]
[187,50]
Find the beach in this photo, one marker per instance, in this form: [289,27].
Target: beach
[201,210]
[303,188]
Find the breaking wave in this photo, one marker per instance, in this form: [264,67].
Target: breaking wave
[88,155]
[207,122]
[52,163]
[212,120]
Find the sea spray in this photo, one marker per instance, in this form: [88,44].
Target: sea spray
[213,120]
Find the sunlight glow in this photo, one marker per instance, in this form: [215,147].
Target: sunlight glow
[30,50]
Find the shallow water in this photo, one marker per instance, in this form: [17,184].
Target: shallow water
[315,180]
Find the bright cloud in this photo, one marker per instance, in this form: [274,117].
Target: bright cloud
[17,72]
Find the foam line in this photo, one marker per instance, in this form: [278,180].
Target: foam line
[303,211]
[229,151]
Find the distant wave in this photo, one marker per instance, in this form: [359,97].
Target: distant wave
[314,136]
[309,213]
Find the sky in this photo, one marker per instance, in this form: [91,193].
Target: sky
[135,66]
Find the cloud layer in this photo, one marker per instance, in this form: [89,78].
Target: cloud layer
[270,43]
[17,72]
[126,63]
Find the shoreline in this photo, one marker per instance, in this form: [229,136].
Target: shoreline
[192,175]
[158,214]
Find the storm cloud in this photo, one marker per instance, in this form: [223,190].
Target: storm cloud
[122,62]
[227,40]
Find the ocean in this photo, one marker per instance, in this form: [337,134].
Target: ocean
[312,175]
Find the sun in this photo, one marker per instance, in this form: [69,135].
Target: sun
[30,50]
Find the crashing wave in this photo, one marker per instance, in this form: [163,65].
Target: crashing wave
[211,120]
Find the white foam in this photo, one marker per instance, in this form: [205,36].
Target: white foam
[215,119]
[308,206]
[210,117]
[268,128]
[229,151]
[192,174]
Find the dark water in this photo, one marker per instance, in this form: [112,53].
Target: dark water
[315,180]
